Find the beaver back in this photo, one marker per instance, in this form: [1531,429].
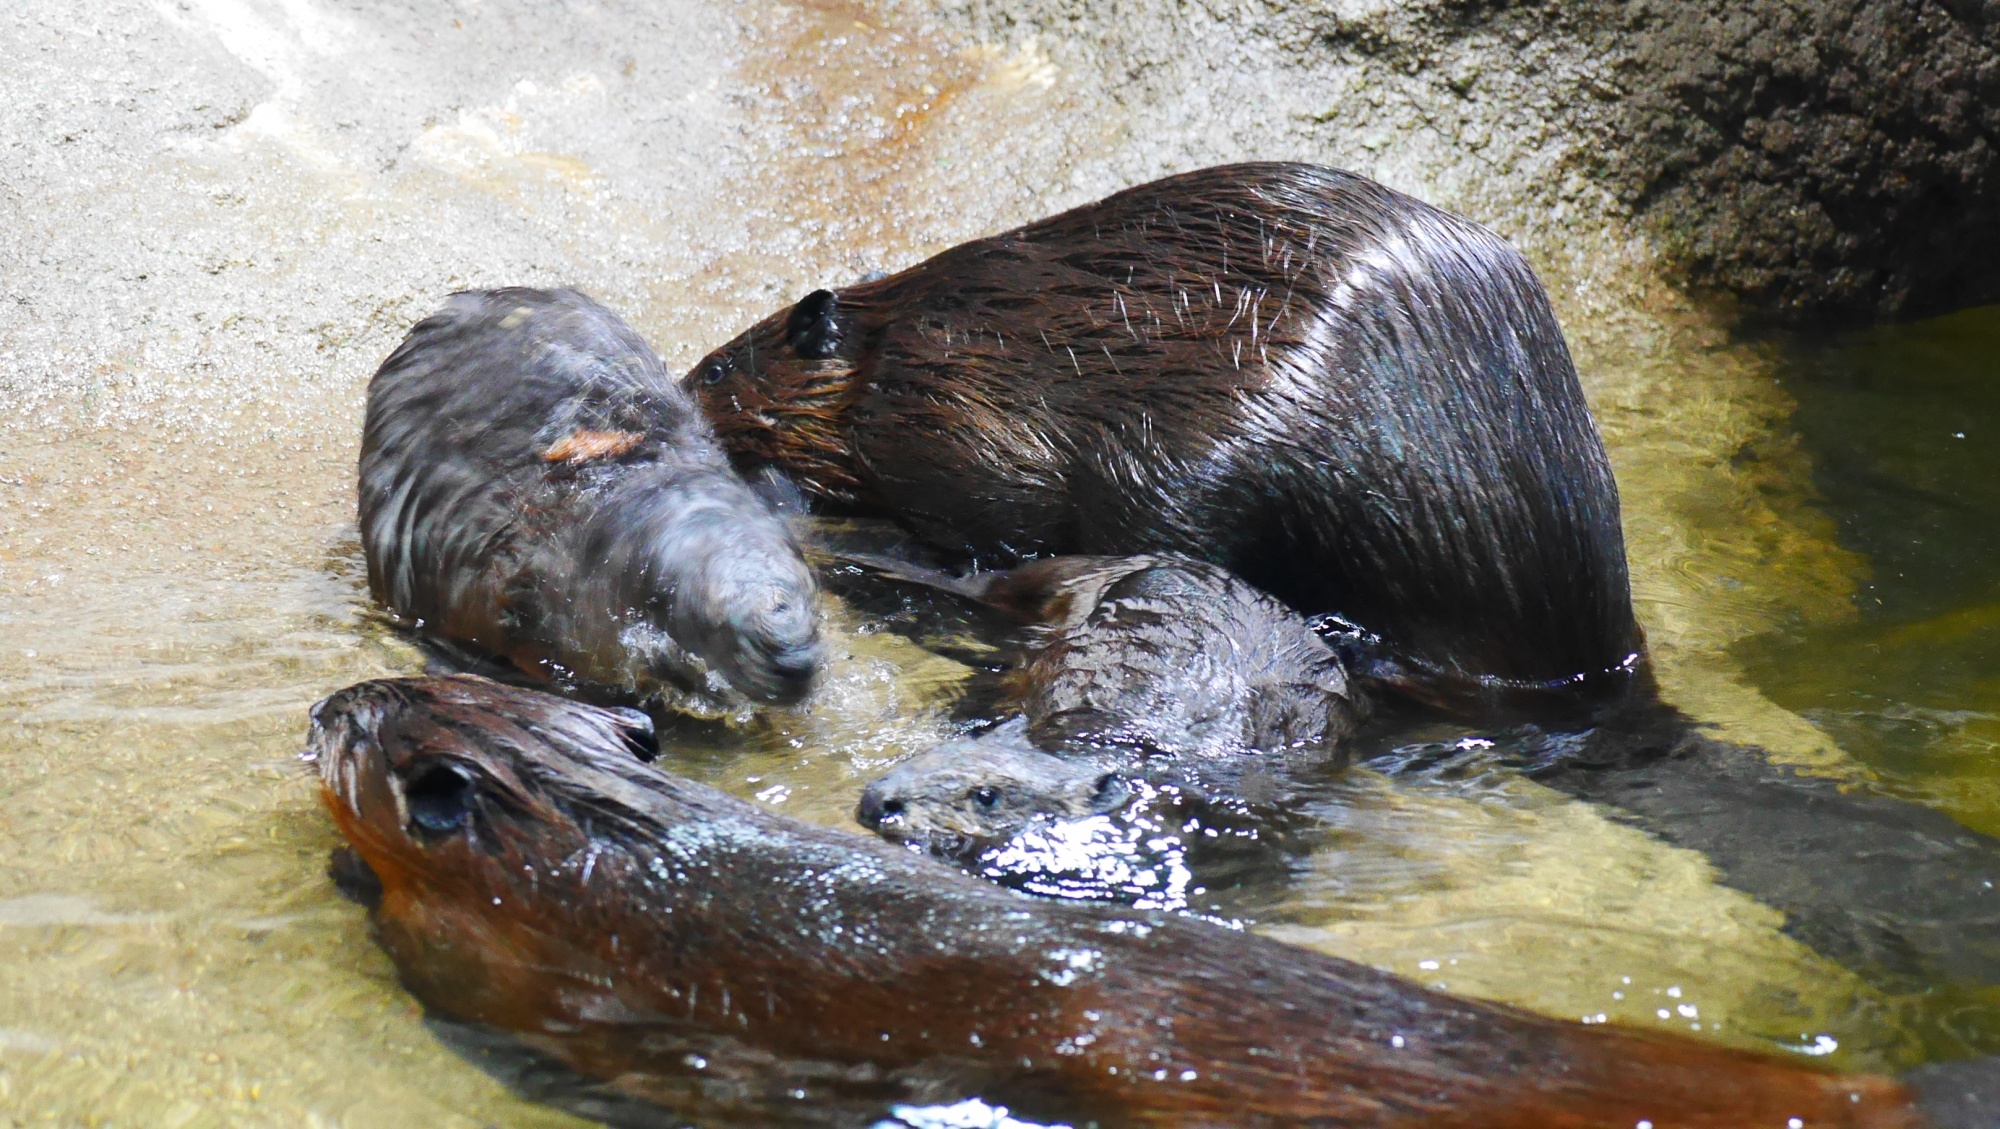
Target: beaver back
[1354,400]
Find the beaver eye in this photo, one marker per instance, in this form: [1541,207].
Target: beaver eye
[439,799]
[985,797]
[635,729]
[714,369]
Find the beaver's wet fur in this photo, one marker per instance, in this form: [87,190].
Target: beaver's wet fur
[534,483]
[538,877]
[1156,669]
[1091,825]
[1355,401]
[964,796]
[1157,656]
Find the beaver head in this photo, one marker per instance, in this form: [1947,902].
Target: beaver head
[759,631]
[476,815]
[709,573]
[428,776]
[964,796]
[778,392]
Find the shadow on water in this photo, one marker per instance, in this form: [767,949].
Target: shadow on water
[1896,891]
[1903,426]
[1891,877]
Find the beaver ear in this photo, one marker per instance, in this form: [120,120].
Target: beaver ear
[635,727]
[1109,792]
[811,331]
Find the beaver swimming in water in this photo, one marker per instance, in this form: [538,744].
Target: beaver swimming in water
[1895,890]
[535,484]
[967,795]
[535,874]
[1156,691]
[1083,825]
[1158,656]
[1355,401]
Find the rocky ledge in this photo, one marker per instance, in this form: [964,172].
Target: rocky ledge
[1816,159]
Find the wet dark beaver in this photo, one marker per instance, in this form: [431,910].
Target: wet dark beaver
[1138,672]
[1080,825]
[1353,400]
[1159,656]
[536,876]
[534,483]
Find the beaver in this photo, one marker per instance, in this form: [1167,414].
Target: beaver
[1077,825]
[1896,890]
[968,795]
[1160,656]
[1356,401]
[536,874]
[1161,699]
[534,483]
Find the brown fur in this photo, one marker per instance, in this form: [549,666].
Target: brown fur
[1355,401]
[745,969]
[586,445]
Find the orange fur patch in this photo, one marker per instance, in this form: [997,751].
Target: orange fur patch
[583,446]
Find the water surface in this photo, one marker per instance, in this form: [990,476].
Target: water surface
[1903,427]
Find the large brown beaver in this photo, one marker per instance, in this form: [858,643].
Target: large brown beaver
[534,875]
[1353,400]
[535,484]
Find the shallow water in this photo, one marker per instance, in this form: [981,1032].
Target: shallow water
[1903,426]
[212,272]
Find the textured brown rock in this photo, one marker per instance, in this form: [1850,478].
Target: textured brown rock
[1828,158]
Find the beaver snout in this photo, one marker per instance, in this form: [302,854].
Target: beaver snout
[878,808]
[789,674]
[778,647]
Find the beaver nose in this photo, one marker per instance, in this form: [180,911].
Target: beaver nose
[793,669]
[876,809]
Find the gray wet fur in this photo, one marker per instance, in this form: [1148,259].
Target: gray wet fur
[1156,667]
[963,796]
[656,569]
[1167,655]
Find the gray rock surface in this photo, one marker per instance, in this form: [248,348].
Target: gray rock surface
[1822,159]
